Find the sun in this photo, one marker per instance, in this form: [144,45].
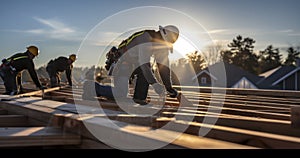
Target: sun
[182,47]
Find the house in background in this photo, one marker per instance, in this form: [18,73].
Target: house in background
[226,75]
[282,78]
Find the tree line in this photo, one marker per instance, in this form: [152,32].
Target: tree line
[240,52]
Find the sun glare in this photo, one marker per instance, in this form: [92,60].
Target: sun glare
[182,47]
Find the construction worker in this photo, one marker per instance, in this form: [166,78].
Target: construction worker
[12,68]
[93,89]
[137,51]
[58,65]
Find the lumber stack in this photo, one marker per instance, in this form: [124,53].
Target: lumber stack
[209,119]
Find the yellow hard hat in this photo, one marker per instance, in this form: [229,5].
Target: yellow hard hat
[73,57]
[33,50]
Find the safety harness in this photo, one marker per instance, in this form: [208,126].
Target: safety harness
[115,53]
[8,62]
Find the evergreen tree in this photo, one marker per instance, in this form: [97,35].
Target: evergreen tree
[292,57]
[196,60]
[269,58]
[241,54]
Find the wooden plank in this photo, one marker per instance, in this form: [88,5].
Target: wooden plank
[52,105]
[235,110]
[13,120]
[37,112]
[283,100]
[36,136]
[60,93]
[8,97]
[44,109]
[241,136]
[103,125]
[237,105]
[104,105]
[295,117]
[241,104]
[143,135]
[260,92]
[242,122]
[93,144]
[270,101]
[266,101]
[3,112]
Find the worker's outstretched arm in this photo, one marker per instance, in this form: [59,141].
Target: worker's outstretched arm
[33,74]
[68,74]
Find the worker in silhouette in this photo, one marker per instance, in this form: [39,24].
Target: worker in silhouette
[11,70]
[57,66]
[132,59]
[93,89]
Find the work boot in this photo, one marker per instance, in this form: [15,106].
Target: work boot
[141,102]
[13,93]
[6,93]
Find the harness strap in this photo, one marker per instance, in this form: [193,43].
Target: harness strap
[126,42]
[17,58]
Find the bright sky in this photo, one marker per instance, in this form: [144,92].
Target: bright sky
[88,27]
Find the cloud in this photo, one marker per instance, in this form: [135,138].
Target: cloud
[286,31]
[294,34]
[218,31]
[105,38]
[290,32]
[55,29]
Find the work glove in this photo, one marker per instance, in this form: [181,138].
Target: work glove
[159,89]
[172,92]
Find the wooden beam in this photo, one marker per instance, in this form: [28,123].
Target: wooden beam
[36,136]
[260,92]
[227,108]
[13,120]
[122,131]
[241,136]
[267,101]
[3,112]
[295,117]
[8,98]
[242,122]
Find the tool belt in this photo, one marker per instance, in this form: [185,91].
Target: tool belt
[6,65]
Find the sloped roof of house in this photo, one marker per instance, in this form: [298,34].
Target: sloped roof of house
[232,73]
[276,75]
[270,72]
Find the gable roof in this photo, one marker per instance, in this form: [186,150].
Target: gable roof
[275,76]
[251,84]
[286,76]
[270,72]
[232,74]
[205,71]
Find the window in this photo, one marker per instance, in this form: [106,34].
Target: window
[203,80]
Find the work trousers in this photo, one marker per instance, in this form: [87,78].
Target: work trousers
[91,89]
[121,80]
[54,76]
[141,85]
[11,79]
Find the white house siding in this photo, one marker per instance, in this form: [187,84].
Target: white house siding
[244,83]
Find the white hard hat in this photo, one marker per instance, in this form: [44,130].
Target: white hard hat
[169,33]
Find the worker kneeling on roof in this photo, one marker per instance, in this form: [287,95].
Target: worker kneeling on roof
[58,65]
[92,88]
[12,67]
[133,59]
